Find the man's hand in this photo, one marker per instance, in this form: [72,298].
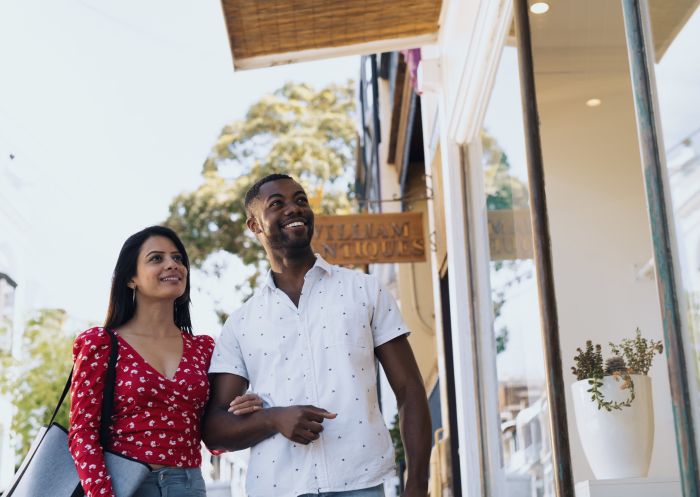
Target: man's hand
[245,404]
[300,424]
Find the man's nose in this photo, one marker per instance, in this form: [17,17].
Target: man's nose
[292,208]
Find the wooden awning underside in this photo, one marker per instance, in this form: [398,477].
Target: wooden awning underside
[270,32]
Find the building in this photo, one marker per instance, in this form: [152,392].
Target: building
[19,290]
[500,96]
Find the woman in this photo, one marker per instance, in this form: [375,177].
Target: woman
[161,384]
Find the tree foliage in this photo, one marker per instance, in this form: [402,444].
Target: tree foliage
[298,130]
[34,380]
[503,191]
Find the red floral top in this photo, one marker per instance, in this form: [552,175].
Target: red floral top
[155,419]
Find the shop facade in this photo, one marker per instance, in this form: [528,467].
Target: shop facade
[553,152]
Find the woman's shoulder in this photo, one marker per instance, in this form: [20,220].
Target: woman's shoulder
[203,340]
[93,336]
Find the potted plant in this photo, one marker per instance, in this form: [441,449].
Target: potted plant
[613,406]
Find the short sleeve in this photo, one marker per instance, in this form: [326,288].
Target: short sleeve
[387,322]
[227,356]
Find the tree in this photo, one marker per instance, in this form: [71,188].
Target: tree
[503,191]
[297,130]
[35,379]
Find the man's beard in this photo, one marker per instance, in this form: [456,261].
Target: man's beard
[282,241]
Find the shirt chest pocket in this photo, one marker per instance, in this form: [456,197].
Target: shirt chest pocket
[347,325]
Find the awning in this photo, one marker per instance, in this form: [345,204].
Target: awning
[264,33]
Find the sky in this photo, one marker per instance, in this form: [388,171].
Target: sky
[109,109]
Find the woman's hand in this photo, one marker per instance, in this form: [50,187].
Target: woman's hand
[245,404]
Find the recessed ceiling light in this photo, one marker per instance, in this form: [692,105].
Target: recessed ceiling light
[593,102]
[539,7]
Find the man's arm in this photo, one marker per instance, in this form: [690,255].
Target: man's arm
[223,430]
[404,377]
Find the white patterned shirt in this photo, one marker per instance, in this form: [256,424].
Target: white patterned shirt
[321,353]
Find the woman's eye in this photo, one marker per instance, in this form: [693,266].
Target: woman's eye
[177,258]
[156,258]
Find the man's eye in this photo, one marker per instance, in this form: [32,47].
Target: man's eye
[303,201]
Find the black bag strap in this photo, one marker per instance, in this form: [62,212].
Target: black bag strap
[107,394]
[62,398]
[107,407]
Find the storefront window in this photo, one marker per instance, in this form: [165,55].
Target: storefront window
[598,218]
[676,35]
[524,453]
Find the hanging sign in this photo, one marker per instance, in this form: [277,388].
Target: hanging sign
[370,238]
[510,234]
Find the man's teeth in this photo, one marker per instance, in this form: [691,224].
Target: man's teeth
[294,224]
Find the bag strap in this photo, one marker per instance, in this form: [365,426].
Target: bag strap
[62,398]
[108,392]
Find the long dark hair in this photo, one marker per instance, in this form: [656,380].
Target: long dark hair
[121,305]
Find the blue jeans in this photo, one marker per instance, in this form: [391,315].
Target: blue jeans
[377,491]
[173,482]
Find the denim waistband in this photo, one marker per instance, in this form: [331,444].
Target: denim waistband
[163,475]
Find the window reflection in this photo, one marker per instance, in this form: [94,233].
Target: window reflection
[676,35]
[526,468]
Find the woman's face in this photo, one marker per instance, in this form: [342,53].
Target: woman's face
[160,270]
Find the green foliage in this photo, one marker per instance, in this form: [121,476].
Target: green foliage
[298,130]
[395,433]
[589,362]
[35,379]
[503,190]
[638,352]
[630,356]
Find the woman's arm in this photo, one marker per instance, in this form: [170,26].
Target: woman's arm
[90,358]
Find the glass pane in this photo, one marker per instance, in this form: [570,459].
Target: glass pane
[525,457]
[676,37]
[600,235]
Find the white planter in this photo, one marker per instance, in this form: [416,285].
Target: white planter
[617,444]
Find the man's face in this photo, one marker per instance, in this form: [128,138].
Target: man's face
[281,215]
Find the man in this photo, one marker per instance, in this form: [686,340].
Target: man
[306,342]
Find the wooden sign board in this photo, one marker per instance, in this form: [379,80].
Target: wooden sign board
[510,234]
[370,238]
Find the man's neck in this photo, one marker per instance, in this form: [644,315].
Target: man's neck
[289,269]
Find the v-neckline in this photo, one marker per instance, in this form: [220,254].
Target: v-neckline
[149,365]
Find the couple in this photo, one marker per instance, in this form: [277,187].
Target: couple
[307,342]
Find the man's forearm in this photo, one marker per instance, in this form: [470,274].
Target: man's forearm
[225,431]
[416,436]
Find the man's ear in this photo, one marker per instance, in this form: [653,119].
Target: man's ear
[253,225]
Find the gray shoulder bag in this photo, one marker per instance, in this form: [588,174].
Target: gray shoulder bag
[48,470]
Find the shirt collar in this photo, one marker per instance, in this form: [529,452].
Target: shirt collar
[320,263]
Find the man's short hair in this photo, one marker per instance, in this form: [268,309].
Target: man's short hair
[254,190]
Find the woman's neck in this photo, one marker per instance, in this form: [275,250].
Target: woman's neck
[156,319]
